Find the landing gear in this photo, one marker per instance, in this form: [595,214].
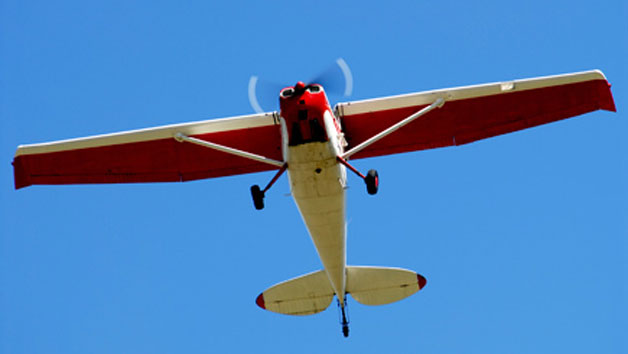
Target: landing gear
[258,197]
[371,179]
[345,324]
[258,194]
[344,319]
[372,182]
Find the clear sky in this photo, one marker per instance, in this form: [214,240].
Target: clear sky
[522,238]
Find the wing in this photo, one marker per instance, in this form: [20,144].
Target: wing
[472,113]
[151,155]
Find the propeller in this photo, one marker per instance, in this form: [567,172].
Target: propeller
[263,91]
[336,80]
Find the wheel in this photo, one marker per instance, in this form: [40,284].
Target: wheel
[258,197]
[372,182]
[345,331]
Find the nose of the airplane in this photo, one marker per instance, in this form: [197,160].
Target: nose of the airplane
[299,87]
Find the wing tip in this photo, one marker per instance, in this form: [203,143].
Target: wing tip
[19,174]
[421,281]
[607,102]
[599,73]
[260,301]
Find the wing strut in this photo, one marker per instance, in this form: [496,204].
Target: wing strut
[180,137]
[437,104]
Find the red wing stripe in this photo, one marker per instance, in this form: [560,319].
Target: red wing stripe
[161,160]
[466,120]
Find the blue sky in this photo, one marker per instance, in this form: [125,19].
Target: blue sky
[522,238]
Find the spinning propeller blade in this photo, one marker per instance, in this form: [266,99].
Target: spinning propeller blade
[263,94]
[336,80]
[252,97]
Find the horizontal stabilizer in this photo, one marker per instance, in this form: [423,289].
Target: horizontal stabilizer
[379,285]
[304,295]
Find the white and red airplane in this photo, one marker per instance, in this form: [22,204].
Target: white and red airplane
[313,142]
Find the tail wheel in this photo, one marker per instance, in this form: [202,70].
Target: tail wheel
[258,197]
[372,182]
[345,331]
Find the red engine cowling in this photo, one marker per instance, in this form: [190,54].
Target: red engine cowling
[303,107]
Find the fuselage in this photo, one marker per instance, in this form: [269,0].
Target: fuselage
[312,140]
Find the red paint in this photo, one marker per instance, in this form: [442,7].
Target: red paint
[260,301]
[301,110]
[162,160]
[421,281]
[456,123]
[464,121]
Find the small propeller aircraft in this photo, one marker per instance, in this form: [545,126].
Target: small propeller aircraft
[313,142]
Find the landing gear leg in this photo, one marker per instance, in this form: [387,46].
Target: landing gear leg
[344,319]
[345,324]
[371,179]
[258,194]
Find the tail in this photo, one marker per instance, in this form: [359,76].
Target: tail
[312,293]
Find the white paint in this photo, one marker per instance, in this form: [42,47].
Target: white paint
[464,92]
[304,295]
[380,285]
[162,132]
[317,183]
[265,119]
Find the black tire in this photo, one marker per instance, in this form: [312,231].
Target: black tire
[372,182]
[258,197]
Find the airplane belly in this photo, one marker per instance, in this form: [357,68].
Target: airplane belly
[317,184]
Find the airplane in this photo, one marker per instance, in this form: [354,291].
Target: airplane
[314,143]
